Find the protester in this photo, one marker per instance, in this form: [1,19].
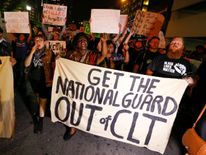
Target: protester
[198,98]
[5,48]
[81,54]
[199,53]
[111,59]
[39,66]
[21,48]
[151,52]
[173,65]
[55,34]
[119,38]
[136,51]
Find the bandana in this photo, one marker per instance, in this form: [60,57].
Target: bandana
[37,58]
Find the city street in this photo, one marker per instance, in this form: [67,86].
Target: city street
[51,142]
[129,70]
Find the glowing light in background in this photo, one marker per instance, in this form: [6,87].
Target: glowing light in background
[28,7]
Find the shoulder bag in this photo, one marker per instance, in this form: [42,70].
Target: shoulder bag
[194,144]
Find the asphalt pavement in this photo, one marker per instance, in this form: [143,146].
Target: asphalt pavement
[51,142]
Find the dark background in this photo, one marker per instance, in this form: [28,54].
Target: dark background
[81,9]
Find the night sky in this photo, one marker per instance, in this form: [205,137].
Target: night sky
[82,8]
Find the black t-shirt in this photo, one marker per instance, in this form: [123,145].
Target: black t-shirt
[134,56]
[145,60]
[37,69]
[5,48]
[163,66]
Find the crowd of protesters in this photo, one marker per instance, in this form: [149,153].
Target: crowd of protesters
[34,64]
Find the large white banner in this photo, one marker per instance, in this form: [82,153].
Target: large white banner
[54,14]
[7,113]
[17,22]
[123,106]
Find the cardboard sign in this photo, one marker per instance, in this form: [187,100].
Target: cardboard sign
[54,14]
[105,21]
[147,23]
[17,22]
[131,108]
[162,43]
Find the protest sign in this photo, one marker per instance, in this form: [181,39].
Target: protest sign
[86,27]
[147,23]
[57,47]
[54,14]
[7,113]
[50,29]
[132,108]
[162,43]
[17,22]
[105,21]
[87,30]
[123,22]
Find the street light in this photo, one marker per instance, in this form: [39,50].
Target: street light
[123,1]
[145,5]
[28,8]
[146,2]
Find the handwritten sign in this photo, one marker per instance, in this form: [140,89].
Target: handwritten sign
[54,14]
[123,22]
[105,21]
[57,47]
[162,43]
[147,23]
[50,29]
[131,108]
[17,22]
